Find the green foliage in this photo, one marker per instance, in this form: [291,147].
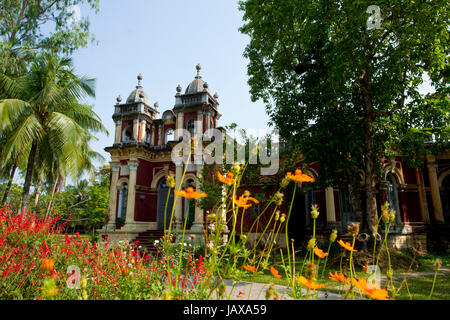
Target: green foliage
[344,95]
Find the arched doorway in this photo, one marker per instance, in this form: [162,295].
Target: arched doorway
[191,212]
[163,199]
[392,196]
[346,207]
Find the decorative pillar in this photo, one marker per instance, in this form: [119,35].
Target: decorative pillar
[143,130]
[331,212]
[135,129]
[197,226]
[160,134]
[115,168]
[118,132]
[435,194]
[199,129]
[179,124]
[129,220]
[153,140]
[178,225]
[422,196]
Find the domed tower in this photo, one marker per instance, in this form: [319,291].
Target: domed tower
[197,110]
[134,117]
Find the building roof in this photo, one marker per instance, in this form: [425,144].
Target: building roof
[138,94]
[197,85]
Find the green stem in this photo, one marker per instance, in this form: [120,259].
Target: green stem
[432,288]
[326,259]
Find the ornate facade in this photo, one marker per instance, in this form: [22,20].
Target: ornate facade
[141,158]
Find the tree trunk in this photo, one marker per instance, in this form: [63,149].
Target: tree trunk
[10,181]
[36,198]
[354,189]
[371,210]
[28,177]
[50,204]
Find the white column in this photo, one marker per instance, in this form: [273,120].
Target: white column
[153,140]
[198,225]
[179,124]
[135,129]
[435,194]
[422,196]
[115,168]
[118,132]
[143,130]
[331,212]
[178,204]
[129,220]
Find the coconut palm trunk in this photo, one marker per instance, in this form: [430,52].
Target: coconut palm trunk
[28,177]
[10,181]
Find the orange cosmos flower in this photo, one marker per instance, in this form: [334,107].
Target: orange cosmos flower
[299,176]
[375,293]
[309,283]
[243,201]
[320,253]
[190,193]
[339,277]
[275,272]
[125,271]
[346,246]
[47,264]
[249,268]
[228,180]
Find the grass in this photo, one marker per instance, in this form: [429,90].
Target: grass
[419,286]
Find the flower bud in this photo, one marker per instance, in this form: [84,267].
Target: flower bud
[269,293]
[277,215]
[333,235]
[285,182]
[278,199]
[170,181]
[283,217]
[437,264]
[315,211]
[392,216]
[310,271]
[311,244]
[353,228]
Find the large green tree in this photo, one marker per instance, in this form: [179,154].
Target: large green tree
[44,118]
[341,80]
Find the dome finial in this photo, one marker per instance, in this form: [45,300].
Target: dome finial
[198,67]
[140,77]
[119,99]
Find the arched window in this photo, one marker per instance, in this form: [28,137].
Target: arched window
[123,195]
[190,126]
[148,136]
[169,136]
[127,134]
[392,195]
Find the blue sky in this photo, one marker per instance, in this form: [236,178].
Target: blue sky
[164,40]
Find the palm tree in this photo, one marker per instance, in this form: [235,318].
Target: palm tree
[44,117]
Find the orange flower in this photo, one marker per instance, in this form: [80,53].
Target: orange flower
[339,277]
[125,271]
[190,193]
[243,201]
[249,268]
[320,253]
[275,272]
[47,264]
[377,294]
[365,267]
[299,176]
[309,283]
[228,180]
[347,246]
